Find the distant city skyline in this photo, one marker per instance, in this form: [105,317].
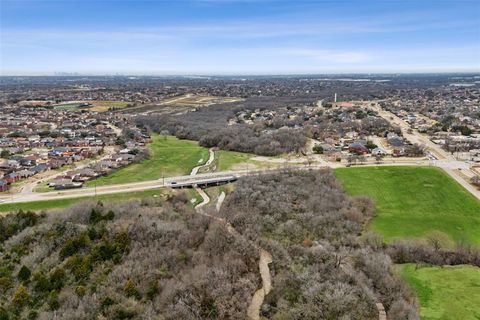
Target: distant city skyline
[221,37]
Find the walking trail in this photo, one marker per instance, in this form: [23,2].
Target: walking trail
[253,311]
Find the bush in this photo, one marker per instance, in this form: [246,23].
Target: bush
[21,297]
[41,282]
[74,245]
[53,302]
[5,283]
[130,289]
[24,273]
[80,266]
[57,278]
[318,149]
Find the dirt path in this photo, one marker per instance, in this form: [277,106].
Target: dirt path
[253,311]
[209,162]
[347,268]
[220,200]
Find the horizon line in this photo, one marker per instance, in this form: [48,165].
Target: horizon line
[79,74]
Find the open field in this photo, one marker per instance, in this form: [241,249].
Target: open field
[227,160]
[445,292]
[102,106]
[63,203]
[168,155]
[180,104]
[66,106]
[94,105]
[194,101]
[414,201]
[233,160]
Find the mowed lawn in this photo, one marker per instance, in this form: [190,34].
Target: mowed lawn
[168,156]
[445,292]
[414,201]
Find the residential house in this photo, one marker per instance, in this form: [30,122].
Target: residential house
[3,185]
[357,148]
[379,152]
[25,173]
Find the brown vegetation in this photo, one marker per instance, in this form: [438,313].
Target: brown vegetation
[161,260]
[311,228]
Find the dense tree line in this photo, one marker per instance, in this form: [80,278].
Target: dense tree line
[209,126]
[276,133]
[433,253]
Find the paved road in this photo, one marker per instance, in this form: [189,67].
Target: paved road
[155,184]
[110,189]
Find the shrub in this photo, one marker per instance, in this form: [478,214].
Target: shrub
[80,266]
[24,273]
[5,283]
[57,278]
[318,149]
[53,302]
[21,297]
[41,282]
[130,289]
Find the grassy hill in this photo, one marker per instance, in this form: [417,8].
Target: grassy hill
[169,155]
[415,201]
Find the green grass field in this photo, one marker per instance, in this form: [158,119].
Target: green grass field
[63,203]
[66,106]
[228,159]
[231,160]
[168,154]
[414,201]
[445,293]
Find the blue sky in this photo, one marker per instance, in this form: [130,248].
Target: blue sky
[238,37]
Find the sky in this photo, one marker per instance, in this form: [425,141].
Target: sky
[238,37]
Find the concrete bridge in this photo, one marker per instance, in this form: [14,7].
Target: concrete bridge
[200,180]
